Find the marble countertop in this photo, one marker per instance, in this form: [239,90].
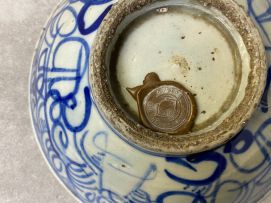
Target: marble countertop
[25,176]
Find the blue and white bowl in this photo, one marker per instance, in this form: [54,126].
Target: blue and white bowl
[92,160]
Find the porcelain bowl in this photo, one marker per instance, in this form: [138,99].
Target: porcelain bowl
[91,158]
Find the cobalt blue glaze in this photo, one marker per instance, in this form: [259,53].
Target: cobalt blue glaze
[82,152]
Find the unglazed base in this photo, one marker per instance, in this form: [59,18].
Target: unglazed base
[224,109]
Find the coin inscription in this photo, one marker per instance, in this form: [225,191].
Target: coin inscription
[164,106]
[167,108]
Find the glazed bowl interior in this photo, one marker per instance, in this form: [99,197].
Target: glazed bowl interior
[174,42]
[212,49]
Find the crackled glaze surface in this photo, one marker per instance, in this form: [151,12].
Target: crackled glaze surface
[88,155]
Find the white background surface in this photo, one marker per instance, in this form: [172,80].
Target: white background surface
[24,175]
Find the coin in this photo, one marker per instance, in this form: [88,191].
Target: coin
[165,106]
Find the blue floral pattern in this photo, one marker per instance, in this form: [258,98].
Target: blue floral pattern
[86,154]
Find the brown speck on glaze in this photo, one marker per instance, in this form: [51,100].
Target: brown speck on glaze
[181,62]
[199,33]
[183,37]
[213,58]
[126,105]
[203,112]
[160,52]
[199,68]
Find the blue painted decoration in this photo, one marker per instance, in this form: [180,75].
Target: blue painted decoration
[81,156]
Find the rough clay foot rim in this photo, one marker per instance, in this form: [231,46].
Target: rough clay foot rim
[163,143]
